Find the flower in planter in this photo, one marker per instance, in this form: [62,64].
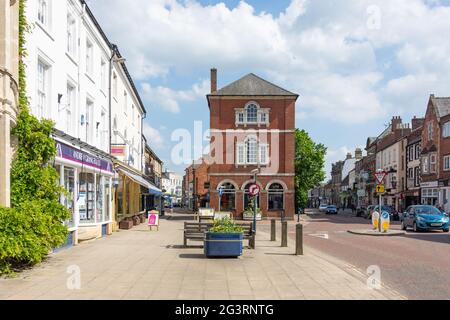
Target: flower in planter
[250,210]
[225,225]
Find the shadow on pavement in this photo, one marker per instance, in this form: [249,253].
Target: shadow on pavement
[432,236]
[192,256]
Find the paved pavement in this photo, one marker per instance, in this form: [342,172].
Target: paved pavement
[417,265]
[139,264]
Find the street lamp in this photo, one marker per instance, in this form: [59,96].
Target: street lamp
[255,173]
[194,194]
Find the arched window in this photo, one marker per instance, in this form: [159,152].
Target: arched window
[252,113]
[247,197]
[276,197]
[228,199]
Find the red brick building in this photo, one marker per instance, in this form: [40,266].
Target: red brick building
[252,125]
[435,160]
[196,190]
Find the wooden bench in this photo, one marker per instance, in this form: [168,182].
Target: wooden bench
[195,231]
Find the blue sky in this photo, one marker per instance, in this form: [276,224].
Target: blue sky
[355,64]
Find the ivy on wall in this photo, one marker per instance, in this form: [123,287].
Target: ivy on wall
[35,223]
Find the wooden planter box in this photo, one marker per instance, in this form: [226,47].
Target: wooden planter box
[223,245]
[126,224]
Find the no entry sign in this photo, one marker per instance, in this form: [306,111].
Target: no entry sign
[254,190]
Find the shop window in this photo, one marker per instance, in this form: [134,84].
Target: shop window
[69,199]
[99,198]
[107,193]
[119,197]
[276,197]
[86,198]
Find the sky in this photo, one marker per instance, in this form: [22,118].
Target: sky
[355,64]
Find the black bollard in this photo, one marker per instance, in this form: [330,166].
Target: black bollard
[284,234]
[273,230]
[299,240]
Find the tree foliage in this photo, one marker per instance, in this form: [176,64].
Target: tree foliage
[309,166]
[35,223]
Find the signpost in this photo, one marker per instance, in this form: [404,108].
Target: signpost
[380,175]
[254,190]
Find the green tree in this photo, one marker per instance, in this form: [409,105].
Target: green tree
[309,166]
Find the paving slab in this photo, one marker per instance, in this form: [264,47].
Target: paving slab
[138,264]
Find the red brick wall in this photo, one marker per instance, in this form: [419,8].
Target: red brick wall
[430,117]
[444,150]
[281,117]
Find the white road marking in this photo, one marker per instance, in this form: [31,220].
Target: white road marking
[321,235]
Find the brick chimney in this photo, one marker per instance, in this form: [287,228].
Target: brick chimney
[358,154]
[417,122]
[396,122]
[213,80]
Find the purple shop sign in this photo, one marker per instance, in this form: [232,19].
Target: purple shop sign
[81,157]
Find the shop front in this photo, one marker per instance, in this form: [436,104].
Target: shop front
[87,179]
[430,193]
[134,196]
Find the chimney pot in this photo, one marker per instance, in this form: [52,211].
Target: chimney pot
[213,80]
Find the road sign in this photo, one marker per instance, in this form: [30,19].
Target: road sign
[254,190]
[381,188]
[221,190]
[380,176]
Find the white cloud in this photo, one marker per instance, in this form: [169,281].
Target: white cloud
[323,50]
[153,136]
[169,99]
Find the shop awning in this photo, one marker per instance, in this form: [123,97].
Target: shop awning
[140,180]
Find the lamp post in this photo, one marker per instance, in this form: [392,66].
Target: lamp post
[255,209]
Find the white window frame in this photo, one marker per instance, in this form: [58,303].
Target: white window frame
[242,115]
[89,57]
[447,163]
[44,13]
[103,75]
[71,34]
[70,107]
[42,88]
[425,165]
[446,130]
[433,162]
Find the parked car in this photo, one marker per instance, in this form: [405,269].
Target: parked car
[425,218]
[323,207]
[332,210]
[360,211]
[392,212]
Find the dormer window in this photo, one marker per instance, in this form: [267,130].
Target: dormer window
[252,114]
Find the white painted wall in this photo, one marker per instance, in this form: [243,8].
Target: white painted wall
[127,115]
